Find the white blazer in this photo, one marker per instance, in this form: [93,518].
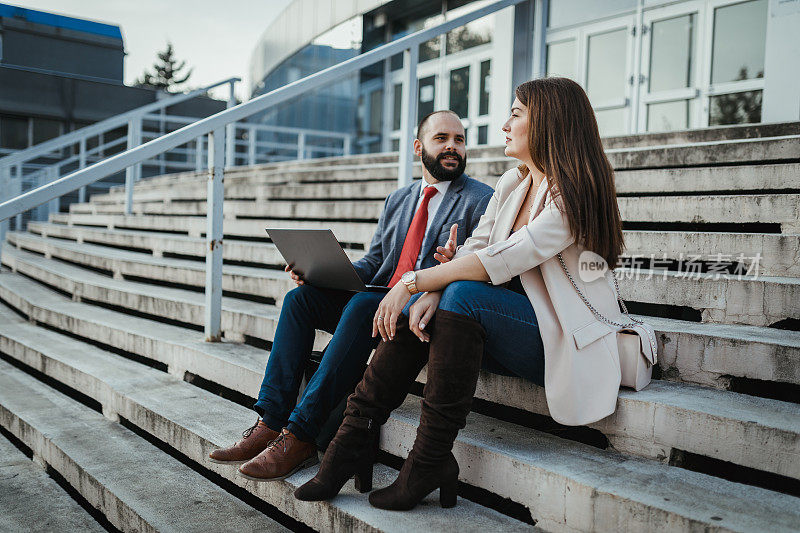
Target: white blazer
[582,370]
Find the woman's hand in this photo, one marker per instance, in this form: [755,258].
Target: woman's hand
[389,310]
[421,313]
[445,253]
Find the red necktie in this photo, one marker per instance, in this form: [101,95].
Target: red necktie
[416,233]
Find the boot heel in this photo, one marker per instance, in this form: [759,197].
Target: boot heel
[363,479]
[448,494]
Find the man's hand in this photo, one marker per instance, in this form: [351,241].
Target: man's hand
[296,277]
[421,313]
[446,253]
[389,310]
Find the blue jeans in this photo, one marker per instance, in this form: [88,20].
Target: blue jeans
[305,309]
[513,344]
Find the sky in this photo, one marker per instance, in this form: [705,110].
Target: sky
[216,38]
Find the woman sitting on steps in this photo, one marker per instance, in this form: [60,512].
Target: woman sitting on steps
[528,321]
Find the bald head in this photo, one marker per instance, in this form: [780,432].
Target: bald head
[444,117]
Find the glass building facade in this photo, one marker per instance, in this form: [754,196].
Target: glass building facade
[647,66]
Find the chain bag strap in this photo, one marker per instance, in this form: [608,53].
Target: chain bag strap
[645,331]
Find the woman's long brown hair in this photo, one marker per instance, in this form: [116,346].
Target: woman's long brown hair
[565,145]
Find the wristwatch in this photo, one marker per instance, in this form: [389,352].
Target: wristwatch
[410,279]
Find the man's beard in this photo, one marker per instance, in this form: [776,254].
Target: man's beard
[439,172]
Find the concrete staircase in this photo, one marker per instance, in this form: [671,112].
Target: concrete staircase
[106,382]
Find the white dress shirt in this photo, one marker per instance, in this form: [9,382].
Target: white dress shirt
[433,206]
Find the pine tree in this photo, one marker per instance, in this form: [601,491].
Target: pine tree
[166,74]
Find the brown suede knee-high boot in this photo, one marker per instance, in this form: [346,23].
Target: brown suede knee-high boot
[453,365]
[387,380]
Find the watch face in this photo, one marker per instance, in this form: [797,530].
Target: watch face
[408,277]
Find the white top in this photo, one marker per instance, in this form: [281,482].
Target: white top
[433,205]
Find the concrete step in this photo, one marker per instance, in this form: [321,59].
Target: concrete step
[782,148]
[137,487]
[166,407]
[752,178]
[691,154]
[374,189]
[347,232]
[720,298]
[168,243]
[239,317]
[705,354]
[783,209]
[650,422]
[30,500]
[715,133]
[366,210]
[254,281]
[576,486]
[776,253]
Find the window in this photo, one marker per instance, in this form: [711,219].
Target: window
[483,97]
[739,42]
[45,129]
[561,59]
[669,116]
[483,134]
[427,96]
[398,105]
[472,34]
[611,122]
[459,91]
[13,132]
[671,53]
[735,108]
[606,79]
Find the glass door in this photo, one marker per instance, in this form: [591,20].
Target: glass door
[600,58]
[671,71]
[608,73]
[736,39]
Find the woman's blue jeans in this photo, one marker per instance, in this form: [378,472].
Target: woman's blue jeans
[306,309]
[513,344]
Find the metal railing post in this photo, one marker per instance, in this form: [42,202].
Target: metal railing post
[251,146]
[301,146]
[215,195]
[134,138]
[347,145]
[82,164]
[18,218]
[5,194]
[54,205]
[198,154]
[408,116]
[230,130]
[42,210]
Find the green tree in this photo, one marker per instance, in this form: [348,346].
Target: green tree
[167,73]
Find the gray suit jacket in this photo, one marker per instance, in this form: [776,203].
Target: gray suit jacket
[463,203]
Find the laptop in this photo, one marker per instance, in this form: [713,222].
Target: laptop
[318,257]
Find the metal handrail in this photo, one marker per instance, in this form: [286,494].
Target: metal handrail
[103,126]
[215,127]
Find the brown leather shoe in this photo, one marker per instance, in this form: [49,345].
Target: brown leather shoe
[283,457]
[256,438]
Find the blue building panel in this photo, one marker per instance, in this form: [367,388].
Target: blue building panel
[60,21]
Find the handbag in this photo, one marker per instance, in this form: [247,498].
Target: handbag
[636,341]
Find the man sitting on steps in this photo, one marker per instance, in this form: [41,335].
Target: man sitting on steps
[441,210]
